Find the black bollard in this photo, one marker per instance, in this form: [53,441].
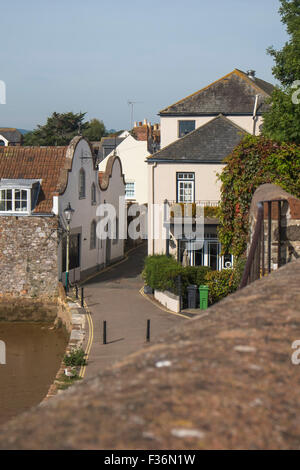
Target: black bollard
[82,297]
[148,331]
[104,332]
[76,291]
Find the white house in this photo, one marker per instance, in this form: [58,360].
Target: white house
[85,191]
[238,95]
[36,186]
[133,151]
[10,136]
[197,133]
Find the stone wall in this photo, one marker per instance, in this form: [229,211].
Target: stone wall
[28,256]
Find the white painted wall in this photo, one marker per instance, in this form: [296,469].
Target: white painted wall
[111,195]
[207,188]
[133,154]
[85,211]
[169,125]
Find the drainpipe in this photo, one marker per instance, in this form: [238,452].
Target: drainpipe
[254,113]
[168,229]
[152,208]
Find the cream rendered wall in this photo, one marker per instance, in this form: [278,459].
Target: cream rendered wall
[85,212]
[111,195]
[169,125]
[207,187]
[132,154]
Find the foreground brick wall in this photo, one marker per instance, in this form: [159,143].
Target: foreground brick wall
[228,383]
[28,256]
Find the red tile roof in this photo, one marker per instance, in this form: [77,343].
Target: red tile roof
[45,163]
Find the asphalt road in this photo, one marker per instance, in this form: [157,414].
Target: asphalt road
[114,296]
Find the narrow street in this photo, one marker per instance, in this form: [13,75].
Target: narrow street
[114,296]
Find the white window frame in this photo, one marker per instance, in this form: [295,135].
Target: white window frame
[14,210]
[132,183]
[206,253]
[182,178]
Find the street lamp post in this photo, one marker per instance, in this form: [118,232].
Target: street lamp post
[68,216]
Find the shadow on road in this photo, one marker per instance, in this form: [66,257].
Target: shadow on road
[130,268]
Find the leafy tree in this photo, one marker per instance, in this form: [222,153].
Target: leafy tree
[256,161]
[282,121]
[59,130]
[95,130]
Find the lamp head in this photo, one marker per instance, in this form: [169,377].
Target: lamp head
[69,212]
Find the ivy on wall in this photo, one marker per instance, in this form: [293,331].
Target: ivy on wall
[256,161]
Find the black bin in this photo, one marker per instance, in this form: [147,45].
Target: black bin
[192,293]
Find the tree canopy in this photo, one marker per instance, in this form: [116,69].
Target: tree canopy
[282,121]
[60,128]
[95,130]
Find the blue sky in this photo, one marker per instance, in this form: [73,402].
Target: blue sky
[94,55]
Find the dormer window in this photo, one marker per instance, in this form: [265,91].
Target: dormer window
[18,196]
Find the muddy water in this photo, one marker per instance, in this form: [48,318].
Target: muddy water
[33,356]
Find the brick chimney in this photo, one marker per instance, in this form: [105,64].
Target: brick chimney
[141,131]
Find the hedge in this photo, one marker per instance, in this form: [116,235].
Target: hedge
[160,272]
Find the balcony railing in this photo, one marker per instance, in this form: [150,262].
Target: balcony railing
[205,203]
[179,210]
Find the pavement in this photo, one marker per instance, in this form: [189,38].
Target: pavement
[113,296]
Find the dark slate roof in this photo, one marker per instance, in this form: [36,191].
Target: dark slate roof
[107,145]
[210,143]
[11,134]
[233,94]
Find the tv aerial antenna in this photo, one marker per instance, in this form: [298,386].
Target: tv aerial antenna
[131,103]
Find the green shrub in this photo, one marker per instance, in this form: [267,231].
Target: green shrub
[195,274]
[219,284]
[75,358]
[160,272]
[223,283]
